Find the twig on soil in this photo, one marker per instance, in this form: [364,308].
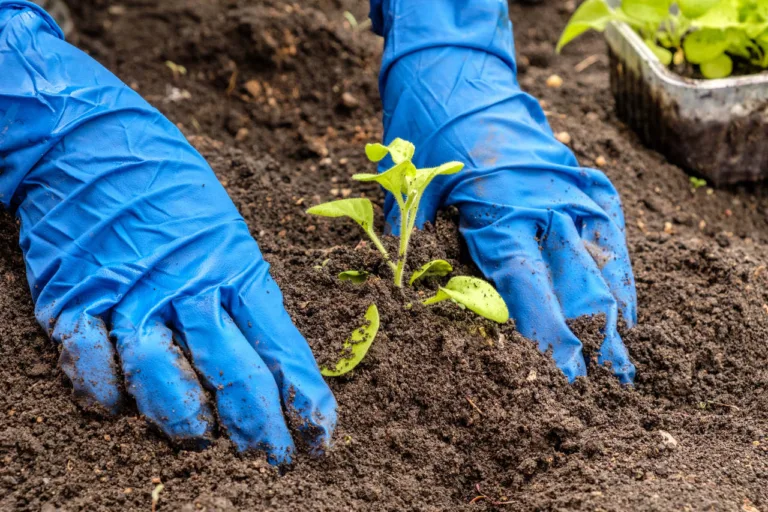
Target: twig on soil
[475,407]
[584,64]
[482,496]
[232,82]
[734,407]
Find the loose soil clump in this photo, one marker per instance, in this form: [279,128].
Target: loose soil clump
[448,411]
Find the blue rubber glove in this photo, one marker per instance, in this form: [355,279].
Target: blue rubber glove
[128,235]
[547,232]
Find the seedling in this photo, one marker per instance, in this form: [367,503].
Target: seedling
[697,183]
[156,495]
[407,184]
[707,33]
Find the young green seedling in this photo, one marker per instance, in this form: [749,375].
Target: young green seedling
[707,33]
[407,184]
[697,183]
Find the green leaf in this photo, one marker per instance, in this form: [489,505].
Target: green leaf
[356,276]
[436,268]
[359,210]
[401,151]
[423,177]
[664,55]
[719,67]
[704,45]
[693,9]
[697,182]
[376,152]
[478,295]
[647,11]
[739,43]
[357,344]
[392,180]
[722,15]
[592,14]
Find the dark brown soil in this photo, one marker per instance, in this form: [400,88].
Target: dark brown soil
[448,412]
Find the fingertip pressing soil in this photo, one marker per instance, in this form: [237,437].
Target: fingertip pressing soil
[448,411]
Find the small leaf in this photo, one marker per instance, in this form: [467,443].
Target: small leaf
[722,15]
[697,182]
[664,55]
[423,177]
[693,9]
[705,45]
[356,276]
[477,295]
[592,14]
[719,67]
[359,210]
[392,180]
[401,151]
[647,11]
[376,152]
[357,344]
[436,268]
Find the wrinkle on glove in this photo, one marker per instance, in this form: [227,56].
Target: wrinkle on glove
[129,237]
[548,233]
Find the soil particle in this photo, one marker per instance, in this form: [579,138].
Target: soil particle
[447,406]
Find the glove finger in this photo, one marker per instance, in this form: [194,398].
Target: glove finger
[256,305]
[518,269]
[600,190]
[582,289]
[161,380]
[247,398]
[88,359]
[604,240]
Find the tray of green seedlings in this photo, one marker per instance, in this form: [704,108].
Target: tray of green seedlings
[688,76]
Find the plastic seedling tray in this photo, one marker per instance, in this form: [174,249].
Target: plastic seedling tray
[714,128]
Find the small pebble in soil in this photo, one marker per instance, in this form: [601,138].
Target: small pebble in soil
[555,82]
[254,88]
[669,442]
[563,137]
[242,134]
[349,101]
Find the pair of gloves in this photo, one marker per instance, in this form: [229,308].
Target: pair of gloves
[136,256]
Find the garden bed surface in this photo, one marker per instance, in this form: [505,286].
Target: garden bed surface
[446,407]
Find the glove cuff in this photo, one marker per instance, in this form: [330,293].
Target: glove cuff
[409,26]
[12,8]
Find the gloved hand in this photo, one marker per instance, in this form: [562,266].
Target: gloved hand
[127,234]
[548,233]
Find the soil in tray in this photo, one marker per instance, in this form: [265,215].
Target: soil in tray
[448,412]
